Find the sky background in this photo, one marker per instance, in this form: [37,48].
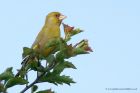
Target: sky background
[111,26]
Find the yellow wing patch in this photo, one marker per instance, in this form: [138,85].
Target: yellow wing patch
[36,46]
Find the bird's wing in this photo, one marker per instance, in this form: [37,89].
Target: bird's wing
[39,37]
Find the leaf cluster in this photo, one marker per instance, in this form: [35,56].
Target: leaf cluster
[51,71]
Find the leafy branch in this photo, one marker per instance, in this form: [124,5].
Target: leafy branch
[51,72]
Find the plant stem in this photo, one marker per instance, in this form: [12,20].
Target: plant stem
[38,77]
[27,87]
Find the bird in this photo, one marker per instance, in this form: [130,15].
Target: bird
[50,31]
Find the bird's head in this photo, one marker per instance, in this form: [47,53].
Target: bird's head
[55,18]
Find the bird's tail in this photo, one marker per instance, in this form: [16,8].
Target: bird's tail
[23,63]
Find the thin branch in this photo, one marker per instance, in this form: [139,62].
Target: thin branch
[27,87]
[36,80]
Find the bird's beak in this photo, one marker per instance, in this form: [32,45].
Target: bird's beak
[61,17]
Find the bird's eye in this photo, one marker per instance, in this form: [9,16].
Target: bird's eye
[57,15]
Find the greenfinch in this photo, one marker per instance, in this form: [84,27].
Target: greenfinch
[50,30]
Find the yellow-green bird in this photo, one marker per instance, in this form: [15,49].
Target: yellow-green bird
[50,30]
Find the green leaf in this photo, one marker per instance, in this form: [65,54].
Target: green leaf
[23,73]
[53,42]
[69,65]
[78,51]
[46,91]
[64,79]
[62,52]
[1,88]
[60,56]
[26,51]
[7,74]
[33,65]
[48,78]
[56,79]
[76,31]
[50,58]
[34,88]
[15,81]
[61,66]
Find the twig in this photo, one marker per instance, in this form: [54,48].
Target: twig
[36,80]
[27,87]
